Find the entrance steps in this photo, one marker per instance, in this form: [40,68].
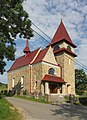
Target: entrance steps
[55,98]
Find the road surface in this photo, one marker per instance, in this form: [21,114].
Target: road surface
[41,111]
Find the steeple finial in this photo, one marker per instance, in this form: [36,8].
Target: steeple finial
[26,49]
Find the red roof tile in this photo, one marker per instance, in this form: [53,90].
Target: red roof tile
[61,34]
[52,78]
[66,50]
[24,60]
[41,55]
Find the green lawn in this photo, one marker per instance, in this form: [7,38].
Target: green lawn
[3,86]
[40,99]
[7,112]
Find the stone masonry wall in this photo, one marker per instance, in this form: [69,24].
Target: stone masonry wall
[46,67]
[68,72]
[17,74]
[36,76]
[39,70]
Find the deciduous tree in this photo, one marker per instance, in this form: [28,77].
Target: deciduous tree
[80,81]
[13,20]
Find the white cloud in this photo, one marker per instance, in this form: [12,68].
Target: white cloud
[47,14]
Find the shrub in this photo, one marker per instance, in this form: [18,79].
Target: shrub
[1,95]
[83,100]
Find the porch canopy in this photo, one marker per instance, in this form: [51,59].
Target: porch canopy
[52,78]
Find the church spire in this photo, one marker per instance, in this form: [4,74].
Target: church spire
[26,49]
[62,34]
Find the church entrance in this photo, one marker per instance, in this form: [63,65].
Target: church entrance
[53,87]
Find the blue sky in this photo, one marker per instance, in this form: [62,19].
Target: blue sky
[47,14]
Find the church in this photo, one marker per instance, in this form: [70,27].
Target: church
[46,71]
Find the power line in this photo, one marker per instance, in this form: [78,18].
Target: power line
[40,36]
[41,30]
[79,63]
[76,62]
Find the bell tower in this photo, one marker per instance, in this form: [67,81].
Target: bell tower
[63,49]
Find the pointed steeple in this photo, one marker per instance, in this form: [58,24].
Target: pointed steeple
[62,34]
[26,49]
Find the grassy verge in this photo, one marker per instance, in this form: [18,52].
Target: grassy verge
[7,112]
[40,99]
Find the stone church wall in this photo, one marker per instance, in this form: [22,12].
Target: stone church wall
[17,74]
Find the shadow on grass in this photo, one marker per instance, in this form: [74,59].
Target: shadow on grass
[75,112]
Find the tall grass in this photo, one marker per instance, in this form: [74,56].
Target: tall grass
[7,112]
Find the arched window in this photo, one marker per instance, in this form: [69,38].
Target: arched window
[69,48]
[22,81]
[51,71]
[56,47]
[12,82]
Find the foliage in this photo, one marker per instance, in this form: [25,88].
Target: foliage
[6,113]
[3,86]
[83,100]
[1,95]
[80,81]
[13,20]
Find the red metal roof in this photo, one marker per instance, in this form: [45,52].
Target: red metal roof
[66,50]
[24,60]
[41,55]
[61,34]
[52,78]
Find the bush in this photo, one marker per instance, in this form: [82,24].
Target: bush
[1,95]
[83,100]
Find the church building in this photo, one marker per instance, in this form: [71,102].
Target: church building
[46,71]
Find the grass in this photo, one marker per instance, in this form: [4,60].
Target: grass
[40,99]
[7,112]
[3,86]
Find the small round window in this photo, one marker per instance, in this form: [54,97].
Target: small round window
[69,48]
[51,71]
[56,47]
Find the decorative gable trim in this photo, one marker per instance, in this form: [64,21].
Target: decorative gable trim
[51,64]
[35,56]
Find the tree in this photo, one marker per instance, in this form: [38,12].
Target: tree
[80,81]
[13,20]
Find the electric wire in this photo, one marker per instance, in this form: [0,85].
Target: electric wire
[76,61]
[41,30]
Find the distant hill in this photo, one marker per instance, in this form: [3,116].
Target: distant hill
[3,86]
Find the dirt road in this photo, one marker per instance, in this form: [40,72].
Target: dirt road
[39,111]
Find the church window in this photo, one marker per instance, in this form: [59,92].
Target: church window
[51,71]
[69,61]
[36,83]
[12,82]
[56,47]
[69,48]
[22,81]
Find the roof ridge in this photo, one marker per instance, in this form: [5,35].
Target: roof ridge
[39,49]
[41,56]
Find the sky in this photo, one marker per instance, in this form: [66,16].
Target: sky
[47,15]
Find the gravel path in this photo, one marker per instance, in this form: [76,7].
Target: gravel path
[38,111]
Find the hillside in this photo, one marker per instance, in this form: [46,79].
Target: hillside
[3,86]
